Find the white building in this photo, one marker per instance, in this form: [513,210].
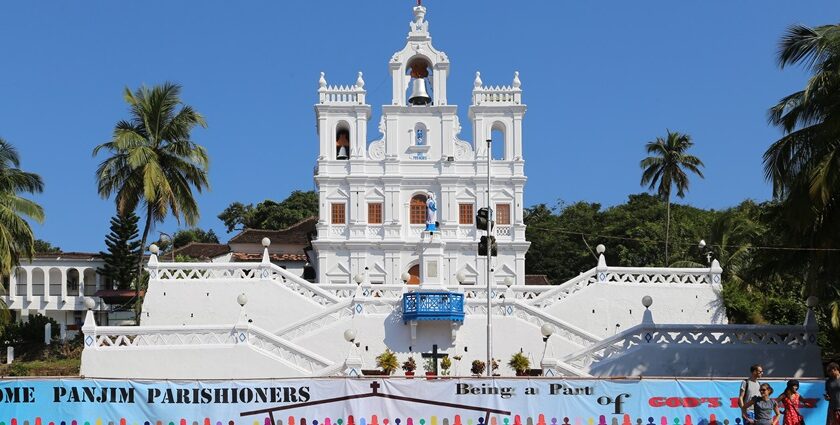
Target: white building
[254,319]
[55,285]
[373,194]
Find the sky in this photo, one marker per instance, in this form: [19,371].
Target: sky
[600,79]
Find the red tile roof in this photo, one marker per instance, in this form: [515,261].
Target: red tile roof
[537,279]
[202,251]
[297,233]
[245,257]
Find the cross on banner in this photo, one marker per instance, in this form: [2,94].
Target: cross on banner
[374,386]
[435,356]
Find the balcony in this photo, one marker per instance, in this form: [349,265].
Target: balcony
[447,306]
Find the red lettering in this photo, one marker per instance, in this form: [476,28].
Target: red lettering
[656,401]
[684,401]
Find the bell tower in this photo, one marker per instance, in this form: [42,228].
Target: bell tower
[419,71]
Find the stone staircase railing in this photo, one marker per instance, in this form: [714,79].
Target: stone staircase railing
[185,272]
[329,315]
[609,349]
[117,338]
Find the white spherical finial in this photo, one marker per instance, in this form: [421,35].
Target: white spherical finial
[547,329]
[516,82]
[647,301]
[701,244]
[406,277]
[266,242]
[461,277]
[322,82]
[359,278]
[360,83]
[89,303]
[242,299]
[508,281]
[477,83]
[600,249]
[153,248]
[812,301]
[350,335]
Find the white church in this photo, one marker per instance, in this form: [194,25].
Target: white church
[397,268]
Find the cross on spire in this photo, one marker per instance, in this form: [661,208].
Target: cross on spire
[419,2]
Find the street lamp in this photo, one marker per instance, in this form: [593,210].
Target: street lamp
[167,238]
[702,246]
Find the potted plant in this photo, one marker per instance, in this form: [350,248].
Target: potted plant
[409,366]
[429,367]
[520,363]
[478,367]
[445,364]
[495,364]
[387,361]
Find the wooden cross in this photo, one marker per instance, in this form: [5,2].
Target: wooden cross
[435,356]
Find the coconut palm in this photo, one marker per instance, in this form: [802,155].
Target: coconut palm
[666,167]
[16,238]
[154,165]
[804,164]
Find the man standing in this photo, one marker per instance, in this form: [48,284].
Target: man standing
[832,393]
[749,389]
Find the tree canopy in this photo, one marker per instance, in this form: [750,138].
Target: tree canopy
[271,215]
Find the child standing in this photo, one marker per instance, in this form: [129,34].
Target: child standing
[766,410]
[790,402]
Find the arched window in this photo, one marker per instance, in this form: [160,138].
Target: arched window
[414,271]
[497,135]
[417,209]
[342,142]
[419,85]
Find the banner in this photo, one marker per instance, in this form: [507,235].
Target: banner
[388,401]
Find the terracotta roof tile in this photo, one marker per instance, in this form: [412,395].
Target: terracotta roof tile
[67,256]
[297,233]
[537,279]
[202,251]
[245,257]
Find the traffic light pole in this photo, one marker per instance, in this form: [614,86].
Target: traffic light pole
[489,257]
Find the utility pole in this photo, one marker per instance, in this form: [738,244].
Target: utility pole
[489,257]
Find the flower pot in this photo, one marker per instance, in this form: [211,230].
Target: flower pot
[409,374]
[430,375]
[521,373]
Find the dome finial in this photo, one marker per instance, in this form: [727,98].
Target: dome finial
[477,83]
[360,83]
[322,82]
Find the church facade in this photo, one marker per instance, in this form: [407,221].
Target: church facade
[374,194]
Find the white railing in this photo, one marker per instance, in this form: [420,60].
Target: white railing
[166,337]
[503,230]
[656,275]
[342,95]
[696,335]
[632,275]
[563,329]
[497,95]
[564,290]
[333,314]
[375,231]
[181,272]
[338,230]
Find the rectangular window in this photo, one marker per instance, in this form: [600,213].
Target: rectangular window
[503,214]
[465,213]
[375,213]
[338,213]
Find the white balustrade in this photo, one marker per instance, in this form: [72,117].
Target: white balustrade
[342,95]
[497,95]
[338,230]
[503,230]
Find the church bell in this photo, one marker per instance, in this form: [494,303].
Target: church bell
[342,153]
[419,94]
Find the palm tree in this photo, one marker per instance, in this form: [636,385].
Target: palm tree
[665,167]
[804,164]
[16,238]
[154,164]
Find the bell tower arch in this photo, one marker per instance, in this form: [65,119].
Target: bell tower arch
[419,64]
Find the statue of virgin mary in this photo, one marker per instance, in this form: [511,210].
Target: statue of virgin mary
[431,213]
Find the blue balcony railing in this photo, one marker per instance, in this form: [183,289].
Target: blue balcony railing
[433,306]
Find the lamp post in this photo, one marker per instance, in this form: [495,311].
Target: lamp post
[708,252]
[489,270]
[166,237]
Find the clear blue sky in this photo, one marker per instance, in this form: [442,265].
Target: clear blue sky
[600,79]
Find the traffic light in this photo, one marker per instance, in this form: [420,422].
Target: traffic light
[482,246]
[482,218]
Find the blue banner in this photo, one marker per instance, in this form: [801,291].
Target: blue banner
[389,401]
